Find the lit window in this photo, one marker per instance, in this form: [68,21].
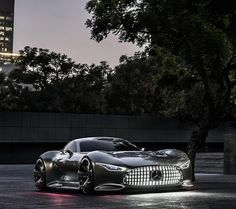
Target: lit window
[1,38]
[8,28]
[6,39]
[1,28]
[2,33]
[2,17]
[8,18]
[5,49]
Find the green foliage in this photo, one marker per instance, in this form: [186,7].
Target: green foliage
[83,92]
[200,34]
[48,81]
[155,82]
[132,89]
[9,94]
[41,68]
[136,86]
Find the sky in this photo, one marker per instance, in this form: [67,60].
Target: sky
[58,25]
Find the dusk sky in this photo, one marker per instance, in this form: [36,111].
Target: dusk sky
[58,25]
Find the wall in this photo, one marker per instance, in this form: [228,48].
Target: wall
[25,127]
[24,135]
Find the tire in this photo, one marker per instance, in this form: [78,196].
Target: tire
[40,175]
[86,176]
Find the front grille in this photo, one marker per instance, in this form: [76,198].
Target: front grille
[158,175]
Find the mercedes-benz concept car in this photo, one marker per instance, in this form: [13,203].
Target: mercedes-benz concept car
[111,164]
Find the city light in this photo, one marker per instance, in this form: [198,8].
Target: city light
[9,54]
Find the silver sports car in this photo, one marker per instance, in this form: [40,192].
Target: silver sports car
[111,164]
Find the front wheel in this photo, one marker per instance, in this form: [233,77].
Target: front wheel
[40,174]
[86,176]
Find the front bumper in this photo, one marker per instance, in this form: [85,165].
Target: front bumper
[142,177]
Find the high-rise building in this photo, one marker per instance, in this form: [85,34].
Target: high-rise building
[6,35]
[6,25]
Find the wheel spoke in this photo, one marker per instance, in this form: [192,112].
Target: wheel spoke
[87,181]
[86,174]
[39,174]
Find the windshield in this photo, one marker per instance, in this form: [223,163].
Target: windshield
[105,145]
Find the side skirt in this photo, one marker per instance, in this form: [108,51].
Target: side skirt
[64,185]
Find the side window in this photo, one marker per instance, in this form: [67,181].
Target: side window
[71,146]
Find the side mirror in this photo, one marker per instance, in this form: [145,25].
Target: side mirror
[62,151]
[143,149]
[70,153]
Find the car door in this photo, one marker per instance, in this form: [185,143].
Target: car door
[66,160]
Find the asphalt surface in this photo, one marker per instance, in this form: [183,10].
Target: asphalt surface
[210,192]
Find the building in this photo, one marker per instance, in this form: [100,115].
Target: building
[6,25]
[7,62]
[6,36]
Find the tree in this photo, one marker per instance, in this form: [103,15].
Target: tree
[200,33]
[83,93]
[41,67]
[135,85]
[38,74]
[9,94]
[49,81]
[154,82]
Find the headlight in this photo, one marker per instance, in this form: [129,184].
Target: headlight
[185,165]
[112,167]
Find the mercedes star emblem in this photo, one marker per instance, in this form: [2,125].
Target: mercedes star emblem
[156,175]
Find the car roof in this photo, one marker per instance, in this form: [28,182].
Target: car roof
[105,138]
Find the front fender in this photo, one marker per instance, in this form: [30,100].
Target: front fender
[182,158]
[100,157]
[47,158]
[180,155]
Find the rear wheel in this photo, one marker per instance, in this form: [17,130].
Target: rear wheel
[86,176]
[40,174]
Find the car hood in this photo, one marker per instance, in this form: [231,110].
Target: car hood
[139,158]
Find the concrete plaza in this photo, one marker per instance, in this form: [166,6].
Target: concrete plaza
[211,191]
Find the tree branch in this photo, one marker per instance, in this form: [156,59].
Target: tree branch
[230,67]
[233,83]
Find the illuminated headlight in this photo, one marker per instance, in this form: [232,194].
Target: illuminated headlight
[185,165]
[112,167]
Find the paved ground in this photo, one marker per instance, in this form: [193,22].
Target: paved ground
[17,191]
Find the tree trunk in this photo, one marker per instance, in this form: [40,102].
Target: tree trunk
[197,140]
